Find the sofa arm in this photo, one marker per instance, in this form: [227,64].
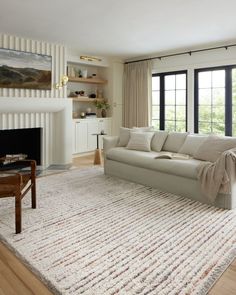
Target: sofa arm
[109,142]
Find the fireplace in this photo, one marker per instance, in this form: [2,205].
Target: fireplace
[22,141]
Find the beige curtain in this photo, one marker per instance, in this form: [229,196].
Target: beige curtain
[137,89]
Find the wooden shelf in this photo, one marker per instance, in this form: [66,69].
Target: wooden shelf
[86,99]
[87,80]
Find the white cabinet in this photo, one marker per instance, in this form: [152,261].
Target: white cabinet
[81,136]
[84,140]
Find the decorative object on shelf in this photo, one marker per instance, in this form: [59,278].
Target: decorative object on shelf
[94,76]
[63,82]
[92,95]
[82,115]
[79,93]
[91,115]
[88,110]
[84,73]
[26,70]
[103,106]
[90,58]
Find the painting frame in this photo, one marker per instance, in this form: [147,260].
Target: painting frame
[25,70]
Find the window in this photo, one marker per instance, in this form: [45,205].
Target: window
[215,99]
[169,101]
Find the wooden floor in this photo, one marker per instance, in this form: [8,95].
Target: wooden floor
[16,279]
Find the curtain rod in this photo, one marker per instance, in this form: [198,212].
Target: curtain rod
[182,53]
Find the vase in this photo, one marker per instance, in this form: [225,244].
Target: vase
[104,113]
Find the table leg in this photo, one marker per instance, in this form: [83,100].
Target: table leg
[97,157]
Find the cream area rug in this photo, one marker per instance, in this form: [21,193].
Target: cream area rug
[97,235]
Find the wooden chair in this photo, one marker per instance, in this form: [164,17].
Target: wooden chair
[17,184]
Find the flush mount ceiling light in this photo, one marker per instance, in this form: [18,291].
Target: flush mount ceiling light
[90,58]
[63,82]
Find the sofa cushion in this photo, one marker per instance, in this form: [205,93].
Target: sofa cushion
[140,141]
[211,149]
[174,141]
[184,168]
[158,140]
[192,144]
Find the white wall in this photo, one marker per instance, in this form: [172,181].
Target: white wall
[190,63]
[58,53]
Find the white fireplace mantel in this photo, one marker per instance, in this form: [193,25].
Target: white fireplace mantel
[54,115]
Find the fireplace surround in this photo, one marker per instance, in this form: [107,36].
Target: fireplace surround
[53,115]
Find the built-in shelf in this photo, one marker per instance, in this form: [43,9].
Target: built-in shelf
[87,80]
[86,99]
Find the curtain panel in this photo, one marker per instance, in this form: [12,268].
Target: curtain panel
[137,90]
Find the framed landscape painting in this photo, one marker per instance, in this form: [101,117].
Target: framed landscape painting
[25,70]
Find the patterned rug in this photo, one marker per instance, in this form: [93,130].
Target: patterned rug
[97,235]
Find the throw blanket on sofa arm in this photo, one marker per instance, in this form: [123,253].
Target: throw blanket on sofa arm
[219,176]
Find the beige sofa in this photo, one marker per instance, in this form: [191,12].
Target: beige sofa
[177,176]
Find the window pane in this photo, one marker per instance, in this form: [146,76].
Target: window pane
[181,81]
[156,97]
[218,96]
[234,98]
[181,97]
[218,128]
[155,112]
[204,96]
[170,113]
[204,127]
[218,78]
[156,83]
[234,79]
[180,113]
[170,125]
[234,130]
[218,114]
[204,113]
[234,114]
[170,82]
[204,80]
[170,97]
[156,124]
[180,126]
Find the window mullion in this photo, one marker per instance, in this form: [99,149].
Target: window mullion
[162,102]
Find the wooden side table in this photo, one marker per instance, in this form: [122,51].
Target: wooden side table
[97,153]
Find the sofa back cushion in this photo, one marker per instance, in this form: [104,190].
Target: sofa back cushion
[125,134]
[211,149]
[140,141]
[158,140]
[174,141]
[192,144]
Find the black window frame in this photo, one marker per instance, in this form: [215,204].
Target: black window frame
[228,96]
[162,96]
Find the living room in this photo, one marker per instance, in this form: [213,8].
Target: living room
[131,128]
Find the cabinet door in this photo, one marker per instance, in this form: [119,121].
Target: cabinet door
[104,125]
[92,139]
[81,137]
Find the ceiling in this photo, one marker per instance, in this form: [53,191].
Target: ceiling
[122,28]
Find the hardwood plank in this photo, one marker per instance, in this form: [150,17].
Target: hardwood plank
[15,278]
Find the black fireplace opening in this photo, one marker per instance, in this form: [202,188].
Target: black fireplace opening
[21,141]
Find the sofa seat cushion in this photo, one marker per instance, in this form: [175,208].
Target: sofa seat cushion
[184,168]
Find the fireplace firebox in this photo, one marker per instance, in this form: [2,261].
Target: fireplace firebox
[21,141]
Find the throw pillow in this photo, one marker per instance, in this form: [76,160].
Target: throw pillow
[124,136]
[211,149]
[158,140]
[174,141]
[140,141]
[192,144]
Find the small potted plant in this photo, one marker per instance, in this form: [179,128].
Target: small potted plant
[103,106]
